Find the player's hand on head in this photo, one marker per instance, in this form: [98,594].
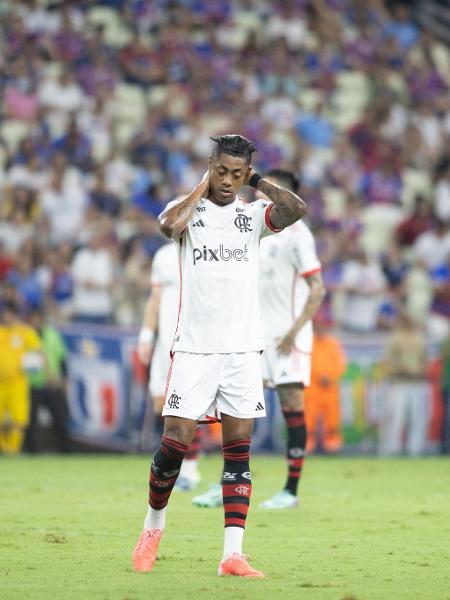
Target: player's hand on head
[251,171]
[204,183]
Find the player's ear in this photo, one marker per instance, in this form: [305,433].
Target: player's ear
[210,159]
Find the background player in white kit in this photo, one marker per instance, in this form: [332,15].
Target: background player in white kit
[292,290]
[216,365]
[156,339]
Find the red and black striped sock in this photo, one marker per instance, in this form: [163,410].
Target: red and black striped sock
[194,448]
[236,482]
[164,471]
[296,444]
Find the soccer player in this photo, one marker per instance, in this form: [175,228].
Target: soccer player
[155,340]
[291,291]
[216,369]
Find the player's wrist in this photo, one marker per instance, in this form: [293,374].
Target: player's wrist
[253,181]
[146,336]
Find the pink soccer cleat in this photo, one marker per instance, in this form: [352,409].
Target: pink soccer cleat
[238,566]
[144,553]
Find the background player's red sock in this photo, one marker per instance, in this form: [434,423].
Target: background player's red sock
[236,491]
[296,443]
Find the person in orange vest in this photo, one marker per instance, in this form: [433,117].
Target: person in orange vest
[322,397]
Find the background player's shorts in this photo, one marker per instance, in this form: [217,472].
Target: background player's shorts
[14,402]
[205,385]
[280,369]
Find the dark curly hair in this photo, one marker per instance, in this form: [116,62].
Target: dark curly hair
[234,145]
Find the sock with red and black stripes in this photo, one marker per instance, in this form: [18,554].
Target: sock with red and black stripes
[236,491]
[296,444]
[163,475]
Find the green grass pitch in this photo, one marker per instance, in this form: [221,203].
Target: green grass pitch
[366,529]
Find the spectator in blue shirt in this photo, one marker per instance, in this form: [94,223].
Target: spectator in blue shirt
[315,129]
[402,28]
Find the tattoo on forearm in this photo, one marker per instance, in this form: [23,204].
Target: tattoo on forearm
[288,206]
[183,209]
[175,220]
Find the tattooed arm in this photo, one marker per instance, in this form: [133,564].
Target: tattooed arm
[174,220]
[316,295]
[288,207]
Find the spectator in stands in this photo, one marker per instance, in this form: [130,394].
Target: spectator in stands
[93,277]
[416,224]
[442,190]
[381,185]
[63,205]
[362,284]
[104,199]
[402,28]
[60,300]
[6,262]
[76,146]
[433,247]
[140,64]
[439,320]
[24,276]
[61,96]
[316,129]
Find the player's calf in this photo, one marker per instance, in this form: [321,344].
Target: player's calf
[236,493]
[163,475]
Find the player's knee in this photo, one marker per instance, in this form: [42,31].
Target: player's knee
[241,432]
[179,431]
[291,396]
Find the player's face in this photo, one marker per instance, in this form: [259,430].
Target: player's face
[226,177]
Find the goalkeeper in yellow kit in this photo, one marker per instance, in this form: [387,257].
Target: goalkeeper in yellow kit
[19,352]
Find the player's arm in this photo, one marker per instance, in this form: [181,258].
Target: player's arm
[315,297]
[149,326]
[174,220]
[287,206]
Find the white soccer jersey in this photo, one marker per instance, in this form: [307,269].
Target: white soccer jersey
[166,276]
[285,261]
[219,270]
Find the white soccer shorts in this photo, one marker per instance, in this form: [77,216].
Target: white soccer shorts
[279,369]
[202,386]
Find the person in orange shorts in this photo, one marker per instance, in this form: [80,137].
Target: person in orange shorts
[19,352]
[322,401]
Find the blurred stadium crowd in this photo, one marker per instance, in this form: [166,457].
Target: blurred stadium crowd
[106,112]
